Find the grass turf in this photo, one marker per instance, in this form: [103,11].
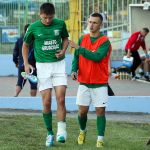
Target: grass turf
[20,132]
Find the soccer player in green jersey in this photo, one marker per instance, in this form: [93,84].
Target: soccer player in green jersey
[90,67]
[50,39]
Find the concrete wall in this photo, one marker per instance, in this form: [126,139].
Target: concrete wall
[115,103]
[139,18]
[7,66]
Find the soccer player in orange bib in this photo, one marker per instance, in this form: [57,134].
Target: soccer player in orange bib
[91,67]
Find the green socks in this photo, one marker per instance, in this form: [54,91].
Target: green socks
[101,123]
[82,122]
[48,122]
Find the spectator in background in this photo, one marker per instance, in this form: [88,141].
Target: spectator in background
[144,69]
[18,60]
[134,42]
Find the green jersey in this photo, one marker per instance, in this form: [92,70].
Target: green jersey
[47,39]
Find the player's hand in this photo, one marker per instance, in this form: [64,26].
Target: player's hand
[60,53]
[28,68]
[73,44]
[74,76]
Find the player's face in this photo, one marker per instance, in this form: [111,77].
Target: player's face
[144,33]
[94,24]
[46,19]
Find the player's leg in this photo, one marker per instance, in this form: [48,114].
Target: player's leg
[83,102]
[101,124]
[99,100]
[33,86]
[20,83]
[82,120]
[45,88]
[47,116]
[59,81]
[60,92]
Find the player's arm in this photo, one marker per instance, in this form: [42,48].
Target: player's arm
[97,55]
[62,52]
[75,62]
[25,48]
[65,42]
[74,68]
[94,56]
[64,36]
[28,39]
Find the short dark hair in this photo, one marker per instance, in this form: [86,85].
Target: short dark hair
[146,30]
[47,8]
[97,15]
[26,27]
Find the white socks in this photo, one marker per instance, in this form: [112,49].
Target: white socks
[61,129]
[100,138]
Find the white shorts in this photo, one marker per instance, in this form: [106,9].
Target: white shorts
[51,74]
[97,96]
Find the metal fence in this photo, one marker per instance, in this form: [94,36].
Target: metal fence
[14,14]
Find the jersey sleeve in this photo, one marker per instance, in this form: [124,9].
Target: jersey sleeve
[64,32]
[97,55]
[28,38]
[75,60]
